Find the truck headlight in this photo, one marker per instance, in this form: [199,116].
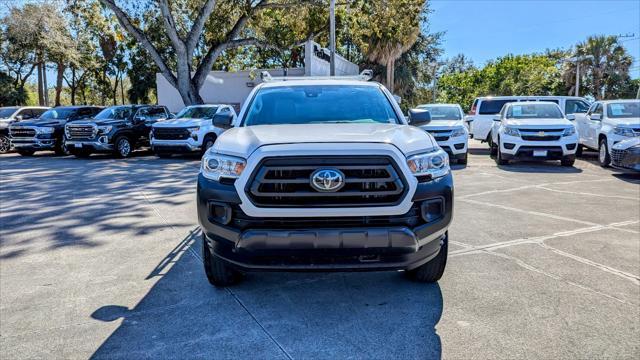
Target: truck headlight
[624,132]
[511,131]
[458,132]
[434,163]
[45,130]
[194,132]
[104,129]
[569,131]
[215,166]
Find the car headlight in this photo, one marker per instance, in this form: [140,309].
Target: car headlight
[511,131]
[215,166]
[458,132]
[569,131]
[624,132]
[45,130]
[105,129]
[194,129]
[434,163]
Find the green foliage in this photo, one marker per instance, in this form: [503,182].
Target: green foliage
[9,94]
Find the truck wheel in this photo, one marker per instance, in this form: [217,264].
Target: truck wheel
[218,272]
[208,142]
[499,159]
[26,152]
[5,144]
[433,270]
[493,149]
[568,160]
[603,154]
[463,161]
[579,150]
[123,147]
[61,148]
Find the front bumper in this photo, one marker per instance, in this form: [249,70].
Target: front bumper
[174,146]
[628,159]
[33,143]
[100,144]
[456,147]
[352,243]
[513,147]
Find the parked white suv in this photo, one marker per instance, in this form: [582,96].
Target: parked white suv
[533,130]
[607,123]
[191,131]
[484,109]
[447,127]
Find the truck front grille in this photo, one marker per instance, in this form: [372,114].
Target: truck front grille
[78,131]
[617,156]
[440,135]
[286,182]
[541,134]
[171,133]
[540,138]
[22,132]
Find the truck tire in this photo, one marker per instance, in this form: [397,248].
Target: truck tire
[463,161]
[61,148]
[568,160]
[603,154]
[493,149]
[218,272]
[579,150]
[208,142]
[499,159]
[26,152]
[123,147]
[5,144]
[433,270]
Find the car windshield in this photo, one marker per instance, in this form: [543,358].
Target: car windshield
[61,113]
[197,112]
[534,111]
[5,112]
[623,110]
[440,112]
[318,104]
[114,112]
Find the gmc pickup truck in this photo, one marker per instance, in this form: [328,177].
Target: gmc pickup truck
[324,175]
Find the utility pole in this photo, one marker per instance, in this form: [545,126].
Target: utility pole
[332,37]
[435,66]
[577,60]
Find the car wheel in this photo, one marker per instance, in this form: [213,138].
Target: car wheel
[499,159]
[568,161]
[207,143]
[123,147]
[26,152]
[61,148]
[463,161]
[433,270]
[218,272]
[493,149]
[5,144]
[603,154]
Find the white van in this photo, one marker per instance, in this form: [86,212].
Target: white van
[484,109]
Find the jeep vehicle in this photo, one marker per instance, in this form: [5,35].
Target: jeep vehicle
[323,175]
[191,131]
[533,131]
[47,131]
[447,127]
[117,129]
[484,109]
[607,123]
[12,114]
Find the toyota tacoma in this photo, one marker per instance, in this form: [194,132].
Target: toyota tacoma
[324,175]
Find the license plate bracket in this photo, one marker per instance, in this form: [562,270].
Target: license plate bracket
[77,145]
[538,153]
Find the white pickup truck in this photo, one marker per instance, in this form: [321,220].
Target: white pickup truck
[447,127]
[192,130]
[324,175]
[534,130]
[607,123]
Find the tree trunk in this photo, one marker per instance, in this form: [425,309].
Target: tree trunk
[59,78]
[40,85]
[45,85]
[122,88]
[73,87]
[115,90]
[389,81]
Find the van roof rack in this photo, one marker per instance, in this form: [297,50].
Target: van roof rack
[365,75]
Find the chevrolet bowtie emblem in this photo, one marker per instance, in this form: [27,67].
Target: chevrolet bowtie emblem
[540,133]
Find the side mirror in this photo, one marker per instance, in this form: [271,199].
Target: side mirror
[497,118]
[571,117]
[223,121]
[419,117]
[172,116]
[595,117]
[19,118]
[468,119]
[138,119]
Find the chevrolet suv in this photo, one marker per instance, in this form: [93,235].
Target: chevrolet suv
[324,175]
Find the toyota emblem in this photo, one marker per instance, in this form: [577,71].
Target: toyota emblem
[327,180]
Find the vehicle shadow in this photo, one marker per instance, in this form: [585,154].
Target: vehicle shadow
[274,315]
[548,167]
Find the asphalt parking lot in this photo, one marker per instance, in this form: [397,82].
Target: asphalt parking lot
[102,258]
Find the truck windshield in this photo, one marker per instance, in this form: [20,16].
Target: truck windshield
[114,112]
[318,104]
[197,112]
[623,110]
[534,111]
[440,112]
[61,113]
[5,112]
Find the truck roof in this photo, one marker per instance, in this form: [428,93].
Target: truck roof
[528,96]
[307,82]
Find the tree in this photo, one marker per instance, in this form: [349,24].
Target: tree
[185,35]
[384,30]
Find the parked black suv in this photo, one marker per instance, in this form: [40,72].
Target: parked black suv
[47,131]
[117,129]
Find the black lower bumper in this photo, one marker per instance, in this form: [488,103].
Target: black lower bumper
[527,153]
[355,243]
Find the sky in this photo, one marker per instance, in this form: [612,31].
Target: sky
[486,29]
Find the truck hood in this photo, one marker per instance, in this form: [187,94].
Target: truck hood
[625,122]
[243,141]
[100,122]
[184,122]
[442,124]
[41,123]
[544,123]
